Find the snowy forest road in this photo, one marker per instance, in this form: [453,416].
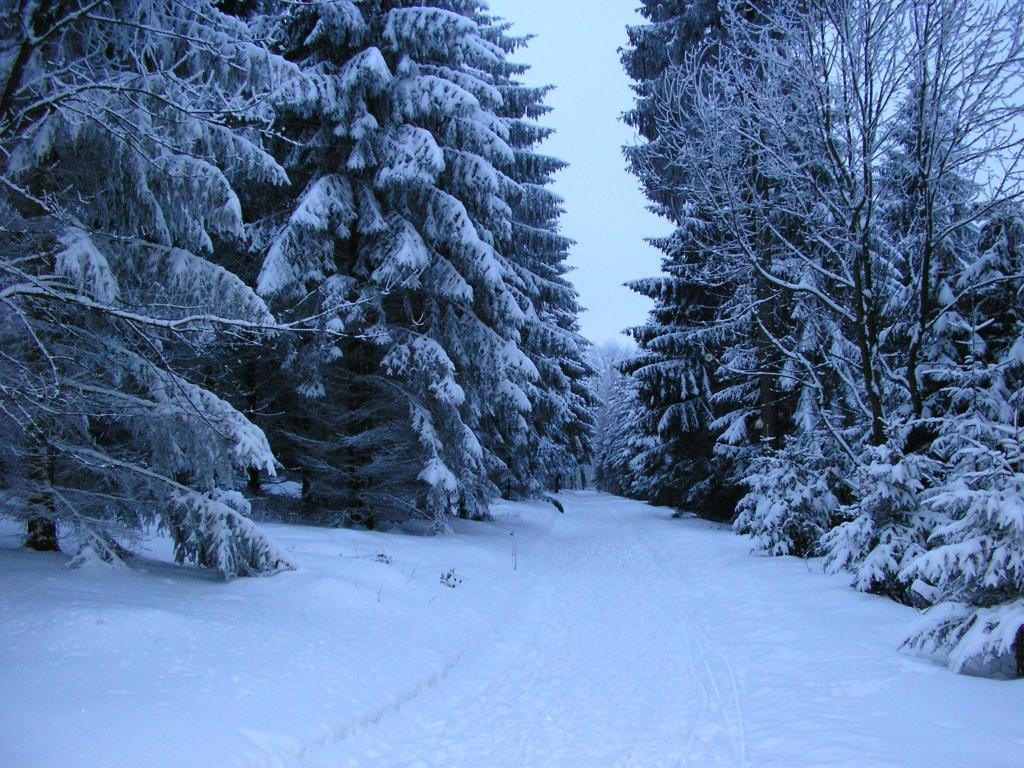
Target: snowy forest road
[611,636]
[642,641]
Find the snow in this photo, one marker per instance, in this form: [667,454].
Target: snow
[86,267]
[289,489]
[437,474]
[612,635]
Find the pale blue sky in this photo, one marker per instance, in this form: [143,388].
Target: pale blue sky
[576,49]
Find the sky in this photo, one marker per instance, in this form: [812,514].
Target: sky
[576,50]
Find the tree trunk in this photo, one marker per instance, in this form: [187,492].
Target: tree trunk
[40,529]
[768,402]
[255,484]
[41,534]
[1018,647]
[766,310]
[25,50]
[867,329]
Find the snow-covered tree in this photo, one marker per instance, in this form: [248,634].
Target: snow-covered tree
[125,128]
[790,501]
[617,434]
[673,30]
[950,162]
[973,570]
[410,142]
[679,346]
[558,435]
[843,168]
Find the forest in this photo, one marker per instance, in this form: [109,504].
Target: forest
[304,257]
[835,360]
[250,239]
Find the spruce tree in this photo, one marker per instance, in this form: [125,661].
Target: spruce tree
[546,451]
[708,373]
[973,569]
[125,129]
[405,131]
[676,363]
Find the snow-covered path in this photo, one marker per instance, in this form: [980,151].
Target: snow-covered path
[600,665]
[609,637]
[643,641]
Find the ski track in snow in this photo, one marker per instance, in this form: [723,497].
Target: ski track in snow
[622,639]
[617,656]
[578,675]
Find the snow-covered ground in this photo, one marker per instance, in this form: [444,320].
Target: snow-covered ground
[610,636]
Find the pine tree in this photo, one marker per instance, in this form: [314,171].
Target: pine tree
[617,434]
[790,501]
[849,170]
[125,128]
[406,132]
[674,30]
[548,451]
[973,570]
[887,527]
[935,188]
[677,368]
